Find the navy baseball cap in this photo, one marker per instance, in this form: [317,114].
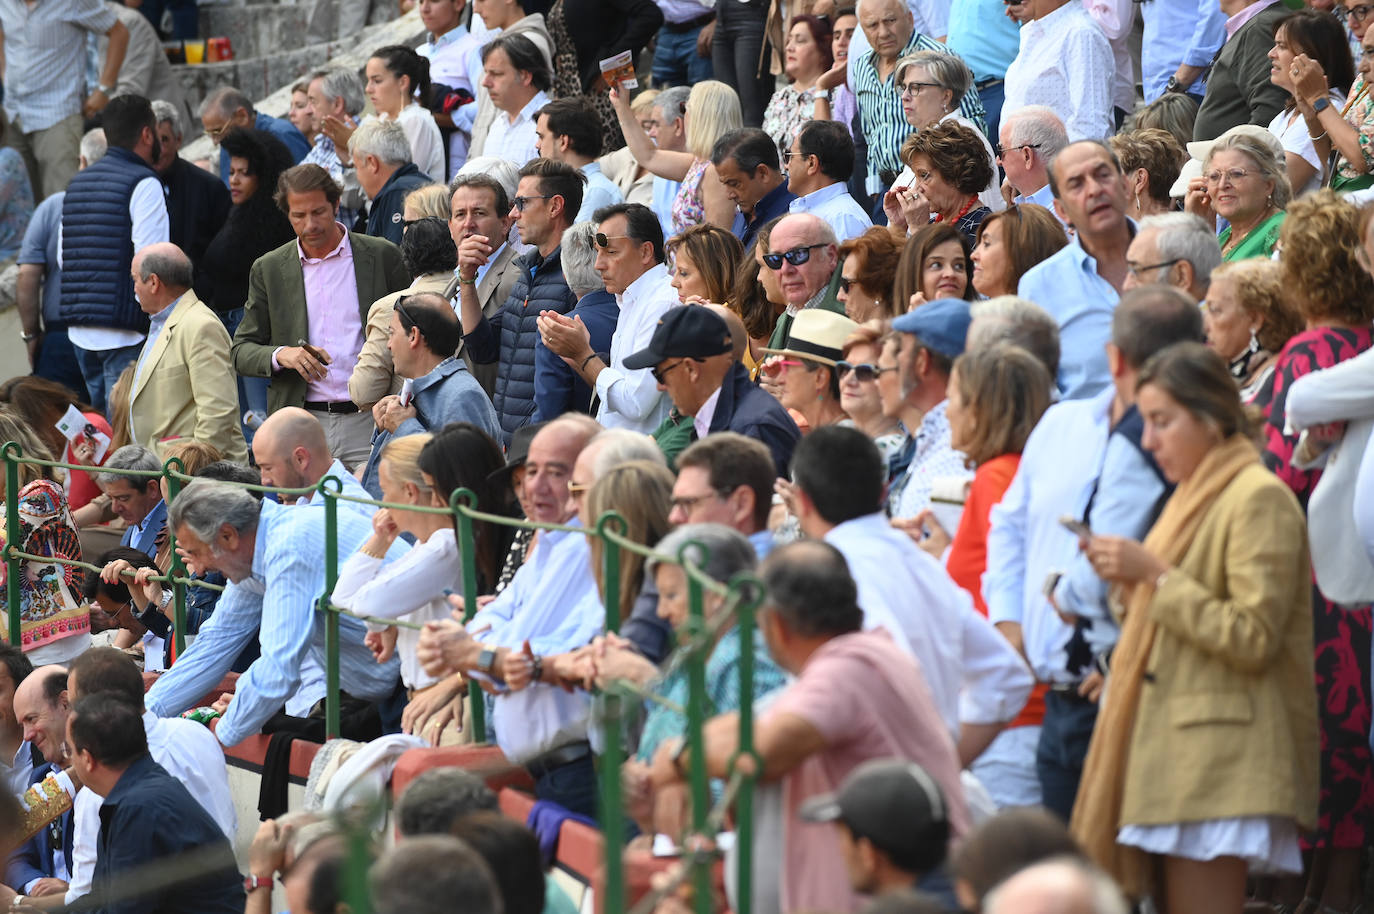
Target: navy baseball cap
[685,332]
[941,325]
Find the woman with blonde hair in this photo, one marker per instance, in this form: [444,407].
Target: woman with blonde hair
[430,201]
[641,492]
[712,110]
[55,624]
[411,588]
[1244,181]
[705,259]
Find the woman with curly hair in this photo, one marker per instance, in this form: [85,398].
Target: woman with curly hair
[1151,160]
[1009,243]
[1335,297]
[807,56]
[868,265]
[951,169]
[1248,320]
[934,264]
[255,225]
[705,259]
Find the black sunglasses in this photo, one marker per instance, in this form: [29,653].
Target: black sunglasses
[796,256]
[999,151]
[864,371]
[407,322]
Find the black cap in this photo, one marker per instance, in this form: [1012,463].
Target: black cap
[895,804]
[519,449]
[686,332]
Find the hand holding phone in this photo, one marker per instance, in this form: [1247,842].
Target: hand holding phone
[1076,527]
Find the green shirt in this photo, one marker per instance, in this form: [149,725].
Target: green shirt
[1259,243]
[673,435]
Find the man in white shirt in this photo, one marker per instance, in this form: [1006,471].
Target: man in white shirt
[1027,140]
[1066,64]
[98,240]
[819,165]
[631,261]
[455,63]
[976,677]
[517,78]
[567,130]
[550,607]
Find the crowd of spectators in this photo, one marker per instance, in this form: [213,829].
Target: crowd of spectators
[1030,389]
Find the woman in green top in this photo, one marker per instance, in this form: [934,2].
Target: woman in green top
[1244,181]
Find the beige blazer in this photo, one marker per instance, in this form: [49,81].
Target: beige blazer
[1227,724]
[187,387]
[374,376]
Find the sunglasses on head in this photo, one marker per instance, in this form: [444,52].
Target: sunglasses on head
[605,240]
[796,256]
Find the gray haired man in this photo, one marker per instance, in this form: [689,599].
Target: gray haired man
[135,499]
[1177,249]
[381,158]
[197,204]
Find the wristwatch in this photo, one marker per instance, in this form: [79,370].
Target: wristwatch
[107,90]
[252,883]
[28,337]
[486,661]
[1173,85]
[1321,105]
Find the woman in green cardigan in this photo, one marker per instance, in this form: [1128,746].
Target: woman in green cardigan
[1244,181]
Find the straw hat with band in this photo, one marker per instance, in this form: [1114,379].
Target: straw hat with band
[1200,149]
[817,336]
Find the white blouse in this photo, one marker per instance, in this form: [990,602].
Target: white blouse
[426,143]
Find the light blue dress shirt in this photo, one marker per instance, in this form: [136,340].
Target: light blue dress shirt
[665,192]
[834,205]
[1178,32]
[1128,492]
[278,602]
[1060,464]
[1068,286]
[600,191]
[552,603]
[981,33]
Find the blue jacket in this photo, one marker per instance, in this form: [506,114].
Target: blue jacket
[746,408]
[449,393]
[384,213]
[98,245]
[512,335]
[149,818]
[152,527]
[33,859]
[557,388]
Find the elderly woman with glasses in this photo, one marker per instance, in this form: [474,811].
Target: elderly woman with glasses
[932,84]
[868,267]
[951,168]
[804,371]
[860,373]
[1346,132]
[1244,181]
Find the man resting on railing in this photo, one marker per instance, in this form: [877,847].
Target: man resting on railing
[551,606]
[274,558]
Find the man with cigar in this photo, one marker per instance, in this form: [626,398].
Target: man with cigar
[307,306]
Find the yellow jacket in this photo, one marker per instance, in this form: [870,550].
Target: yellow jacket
[1227,723]
[187,387]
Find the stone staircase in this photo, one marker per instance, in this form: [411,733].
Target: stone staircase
[276,43]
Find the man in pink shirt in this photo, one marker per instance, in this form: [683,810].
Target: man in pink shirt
[858,696]
[316,290]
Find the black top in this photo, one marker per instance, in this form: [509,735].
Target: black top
[603,28]
[253,228]
[197,207]
[148,819]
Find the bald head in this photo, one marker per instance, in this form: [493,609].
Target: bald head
[41,705]
[1062,886]
[812,238]
[290,450]
[739,337]
[162,274]
[549,466]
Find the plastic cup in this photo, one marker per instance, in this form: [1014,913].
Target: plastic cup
[195,51]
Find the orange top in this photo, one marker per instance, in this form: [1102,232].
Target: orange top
[968,555]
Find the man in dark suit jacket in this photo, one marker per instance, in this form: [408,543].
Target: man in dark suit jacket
[197,202]
[316,291]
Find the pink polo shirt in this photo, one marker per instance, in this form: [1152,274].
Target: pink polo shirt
[867,697]
[333,322]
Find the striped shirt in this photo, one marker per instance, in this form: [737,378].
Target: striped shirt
[45,57]
[880,108]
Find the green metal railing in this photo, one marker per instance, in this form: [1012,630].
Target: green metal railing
[740,598]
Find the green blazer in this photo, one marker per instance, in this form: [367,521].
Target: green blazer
[275,314]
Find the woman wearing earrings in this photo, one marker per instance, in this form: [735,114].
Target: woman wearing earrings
[1248,321]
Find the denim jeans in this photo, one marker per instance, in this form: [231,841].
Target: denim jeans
[252,391]
[676,61]
[993,98]
[101,369]
[57,360]
[736,55]
[1064,737]
[572,786]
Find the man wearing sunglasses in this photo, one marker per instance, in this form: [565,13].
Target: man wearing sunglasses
[692,359]
[1029,138]
[548,195]
[818,166]
[803,252]
[630,259]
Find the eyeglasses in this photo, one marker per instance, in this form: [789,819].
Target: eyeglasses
[688,502]
[1136,271]
[914,88]
[215,133]
[846,284]
[796,256]
[660,372]
[789,154]
[1000,151]
[775,367]
[522,202]
[863,371]
[1358,14]
[577,489]
[1232,176]
[605,240]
